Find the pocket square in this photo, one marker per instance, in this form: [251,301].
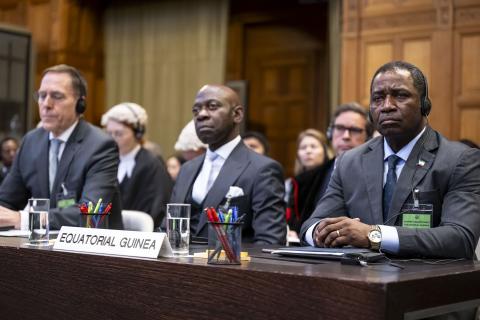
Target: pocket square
[234,192]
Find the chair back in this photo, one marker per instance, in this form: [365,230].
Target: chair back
[137,221]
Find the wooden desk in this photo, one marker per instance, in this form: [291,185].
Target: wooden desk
[45,284]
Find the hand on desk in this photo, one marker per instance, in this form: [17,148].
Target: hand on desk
[9,217]
[341,231]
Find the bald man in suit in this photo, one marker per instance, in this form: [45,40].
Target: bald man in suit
[205,181]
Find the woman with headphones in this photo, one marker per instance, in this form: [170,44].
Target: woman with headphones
[144,181]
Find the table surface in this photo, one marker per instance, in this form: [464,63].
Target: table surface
[43,283]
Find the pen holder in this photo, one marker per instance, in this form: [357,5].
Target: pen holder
[224,242]
[94,220]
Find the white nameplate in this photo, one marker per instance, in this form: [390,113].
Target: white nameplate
[116,242]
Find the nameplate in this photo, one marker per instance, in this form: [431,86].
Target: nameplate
[114,242]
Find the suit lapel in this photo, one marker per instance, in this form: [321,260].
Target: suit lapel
[42,165]
[233,167]
[71,147]
[418,164]
[372,163]
[191,173]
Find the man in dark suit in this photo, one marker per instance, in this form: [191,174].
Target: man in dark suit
[363,203]
[206,180]
[67,160]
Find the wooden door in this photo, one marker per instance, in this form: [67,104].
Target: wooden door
[284,65]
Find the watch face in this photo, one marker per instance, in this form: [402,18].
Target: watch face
[375,236]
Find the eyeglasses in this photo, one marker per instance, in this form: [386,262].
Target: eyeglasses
[354,131]
[56,96]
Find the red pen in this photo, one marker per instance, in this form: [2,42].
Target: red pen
[108,208]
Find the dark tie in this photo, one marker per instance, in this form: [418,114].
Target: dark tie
[389,187]
[53,160]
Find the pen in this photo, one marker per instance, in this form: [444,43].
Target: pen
[98,205]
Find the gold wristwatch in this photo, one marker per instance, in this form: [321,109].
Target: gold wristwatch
[375,238]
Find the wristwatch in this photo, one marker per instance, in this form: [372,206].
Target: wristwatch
[375,238]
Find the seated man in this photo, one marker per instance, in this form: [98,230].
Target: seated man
[217,114]
[363,204]
[66,160]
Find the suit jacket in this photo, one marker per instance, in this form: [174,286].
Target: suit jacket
[149,187]
[447,175]
[88,170]
[260,178]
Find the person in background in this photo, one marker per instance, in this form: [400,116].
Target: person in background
[229,167]
[257,142]
[67,160]
[8,150]
[174,163]
[312,152]
[188,144]
[144,182]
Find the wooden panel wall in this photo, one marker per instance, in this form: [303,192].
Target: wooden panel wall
[64,31]
[441,37]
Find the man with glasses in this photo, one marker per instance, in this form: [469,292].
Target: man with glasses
[66,160]
[350,127]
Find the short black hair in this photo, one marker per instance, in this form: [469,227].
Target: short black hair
[260,137]
[419,80]
[357,108]
[3,141]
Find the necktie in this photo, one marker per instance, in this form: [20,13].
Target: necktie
[390,183]
[53,160]
[206,178]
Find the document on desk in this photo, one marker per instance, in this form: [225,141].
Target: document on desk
[314,252]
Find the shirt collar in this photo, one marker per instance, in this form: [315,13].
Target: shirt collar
[131,155]
[225,150]
[65,134]
[405,151]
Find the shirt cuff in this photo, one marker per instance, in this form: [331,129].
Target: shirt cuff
[23,220]
[309,234]
[390,241]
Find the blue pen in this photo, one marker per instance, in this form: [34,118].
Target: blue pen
[234,214]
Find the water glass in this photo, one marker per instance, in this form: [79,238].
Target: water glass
[178,227]
[38,224]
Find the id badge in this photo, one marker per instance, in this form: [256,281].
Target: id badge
[417,216]
[66,198]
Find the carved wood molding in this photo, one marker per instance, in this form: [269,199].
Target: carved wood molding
[399,21]
[444,13]
[467,16]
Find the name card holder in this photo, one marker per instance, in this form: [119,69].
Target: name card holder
[114,242]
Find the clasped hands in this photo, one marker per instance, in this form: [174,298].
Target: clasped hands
[341,231]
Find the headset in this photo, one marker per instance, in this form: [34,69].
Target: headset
[81,104]
[138,128]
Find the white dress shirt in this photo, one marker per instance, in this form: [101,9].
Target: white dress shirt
[211,169]
[127,163]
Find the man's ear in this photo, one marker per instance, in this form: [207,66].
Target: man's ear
[237,114]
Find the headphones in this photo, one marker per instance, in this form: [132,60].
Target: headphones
[81,104]
[138,128]
[425,103]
